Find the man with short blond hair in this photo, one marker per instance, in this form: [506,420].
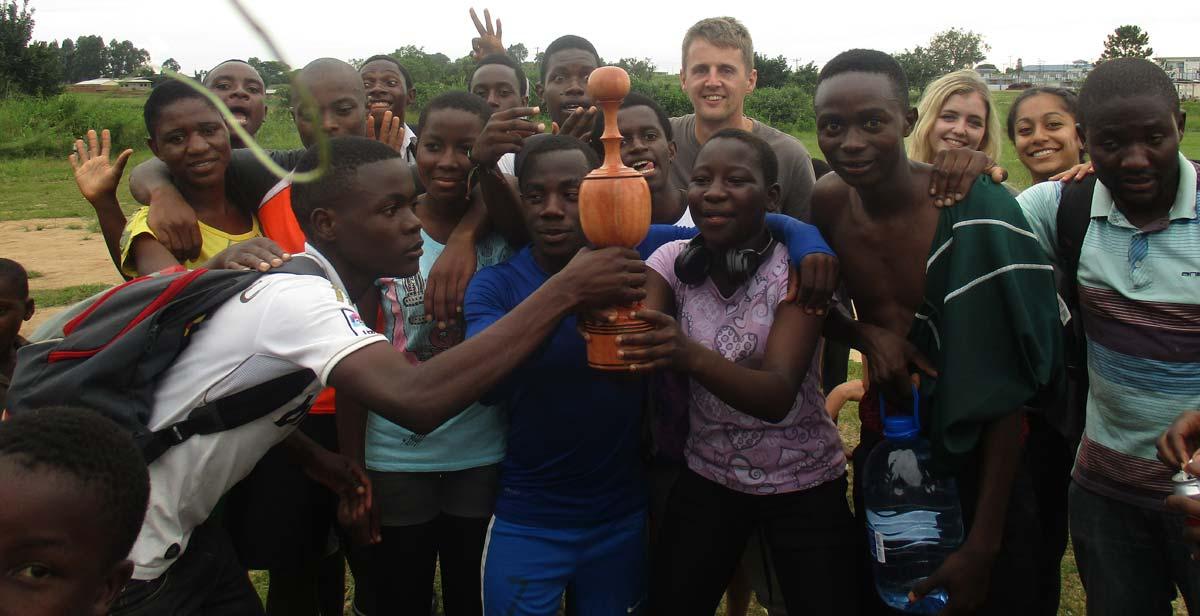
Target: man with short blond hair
[718,74]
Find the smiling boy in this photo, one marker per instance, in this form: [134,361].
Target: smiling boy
[718,74]
[389,87]
[922,280]
[562,86]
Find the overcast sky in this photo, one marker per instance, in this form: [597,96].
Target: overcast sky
[201,33]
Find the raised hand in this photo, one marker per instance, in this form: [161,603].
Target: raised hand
[578,124]
[391,131]
[97,176]
[504,132]
[954,171]
[490,40]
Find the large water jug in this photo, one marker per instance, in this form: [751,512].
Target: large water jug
[914,520]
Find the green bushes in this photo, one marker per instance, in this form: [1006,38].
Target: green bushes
[49,126]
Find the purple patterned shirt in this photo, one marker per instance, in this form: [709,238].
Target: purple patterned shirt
[729,447]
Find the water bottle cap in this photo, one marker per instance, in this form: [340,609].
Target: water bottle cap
[901,428]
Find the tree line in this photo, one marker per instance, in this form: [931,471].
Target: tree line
[40,68]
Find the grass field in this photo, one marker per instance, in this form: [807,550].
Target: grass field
[41,186]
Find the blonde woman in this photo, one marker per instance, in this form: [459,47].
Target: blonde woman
[956,111]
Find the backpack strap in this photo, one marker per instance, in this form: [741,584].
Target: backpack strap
[1073,218]
[230,412]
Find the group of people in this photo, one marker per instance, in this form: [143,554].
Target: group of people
[468,435]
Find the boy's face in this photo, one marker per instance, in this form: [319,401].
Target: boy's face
[550,202]
[1133,143]
[497,84]
[442,149]
[54,557]
[717,81]
[341,105]
[861,126]
[192,140]
[644,145]
[14,310]
[386,89]
[376,230]
[240,87]
[727,194]
[564,86]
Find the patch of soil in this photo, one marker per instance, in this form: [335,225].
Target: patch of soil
[62,250]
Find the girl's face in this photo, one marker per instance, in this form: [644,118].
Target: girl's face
[728,195]
[442,148]
[1045,136]
[961,123]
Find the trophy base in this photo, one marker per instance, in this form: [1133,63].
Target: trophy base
[602,339]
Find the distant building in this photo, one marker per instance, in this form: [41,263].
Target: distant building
[1033,75]
[101,84]
[136,84]
[1185,72]
[110,84]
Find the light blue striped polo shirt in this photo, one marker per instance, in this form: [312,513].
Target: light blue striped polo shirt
[1139,294]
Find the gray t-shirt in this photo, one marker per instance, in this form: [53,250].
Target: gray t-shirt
[796,177]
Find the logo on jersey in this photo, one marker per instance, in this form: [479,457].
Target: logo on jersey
[252,291]
[356,323]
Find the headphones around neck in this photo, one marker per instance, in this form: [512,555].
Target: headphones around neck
[694,263]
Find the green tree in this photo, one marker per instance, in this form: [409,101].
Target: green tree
[518,52]
[918,66]
[171,64]
[30,68]
[1126,42]
[90,59]
[273,72]
[772,72]
[125,58]
[948,50]
[638,67]
[805,77]
[954,49]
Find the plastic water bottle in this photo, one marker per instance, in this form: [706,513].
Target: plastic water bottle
[914,520]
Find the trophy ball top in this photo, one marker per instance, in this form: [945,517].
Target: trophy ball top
[608,83]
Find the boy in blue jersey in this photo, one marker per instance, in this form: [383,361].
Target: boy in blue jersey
[571,504]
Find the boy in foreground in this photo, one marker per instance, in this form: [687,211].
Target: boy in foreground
[74,489]
[933,276]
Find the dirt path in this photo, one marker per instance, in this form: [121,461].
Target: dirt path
[62,251]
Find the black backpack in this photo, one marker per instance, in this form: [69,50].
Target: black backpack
[113,354]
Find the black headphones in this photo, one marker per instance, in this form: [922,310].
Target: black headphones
[694,262]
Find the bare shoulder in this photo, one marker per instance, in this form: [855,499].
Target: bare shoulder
[830,197]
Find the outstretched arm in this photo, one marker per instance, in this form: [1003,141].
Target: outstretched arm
[422,397]
[171,218]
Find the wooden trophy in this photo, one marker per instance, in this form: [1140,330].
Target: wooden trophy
[614,210]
